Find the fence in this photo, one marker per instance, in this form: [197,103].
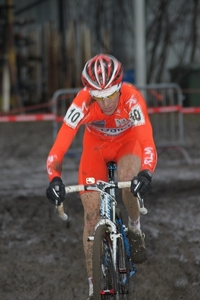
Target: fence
[165,107]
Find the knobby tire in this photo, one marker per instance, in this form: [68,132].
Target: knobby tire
[104,275]
[123,268]
[123,280]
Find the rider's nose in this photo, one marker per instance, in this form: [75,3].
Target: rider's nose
[106,102]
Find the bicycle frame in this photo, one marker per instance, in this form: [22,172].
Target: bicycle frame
[108,213]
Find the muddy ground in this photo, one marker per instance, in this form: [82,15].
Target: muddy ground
[41,257]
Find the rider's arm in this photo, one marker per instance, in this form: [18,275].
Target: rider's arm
[61,145]
[145,137]
[143,130]
[75,116]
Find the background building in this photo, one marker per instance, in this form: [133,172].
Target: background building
[45,43]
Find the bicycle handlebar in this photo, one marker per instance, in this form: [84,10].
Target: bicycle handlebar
[100,186]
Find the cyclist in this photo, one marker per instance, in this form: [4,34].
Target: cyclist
[117,128]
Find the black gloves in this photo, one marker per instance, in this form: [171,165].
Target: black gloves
[56,191]
[141,183]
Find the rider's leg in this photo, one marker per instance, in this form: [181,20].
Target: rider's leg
[92,167]
[129,166]
[90,203]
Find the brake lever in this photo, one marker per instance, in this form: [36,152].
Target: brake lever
[142,208]
[59,210]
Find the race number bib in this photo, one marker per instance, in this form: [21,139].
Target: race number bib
[73,116]
[136,115]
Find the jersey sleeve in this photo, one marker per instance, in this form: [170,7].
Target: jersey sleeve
[61,145]
[74,117]
[142,127]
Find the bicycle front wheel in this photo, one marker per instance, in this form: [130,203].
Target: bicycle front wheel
[123,270]
[104,275]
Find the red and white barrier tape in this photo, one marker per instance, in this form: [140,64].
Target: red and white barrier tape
[30,118]
[190,110]
[52,117]
[164,109]
[174,108]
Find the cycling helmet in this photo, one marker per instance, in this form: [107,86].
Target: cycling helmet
[102,74]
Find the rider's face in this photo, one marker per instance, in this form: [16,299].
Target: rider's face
[109,104]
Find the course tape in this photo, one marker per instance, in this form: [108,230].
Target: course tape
[52,117]
[174,108]
[190,110]
[30,118]
[164,109]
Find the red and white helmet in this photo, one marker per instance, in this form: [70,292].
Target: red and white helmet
[102,74]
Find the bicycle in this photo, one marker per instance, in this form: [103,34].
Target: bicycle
[112,264]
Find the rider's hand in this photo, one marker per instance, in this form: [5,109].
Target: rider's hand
[56,191]
[141,183]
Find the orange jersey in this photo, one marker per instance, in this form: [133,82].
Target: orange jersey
[129,119]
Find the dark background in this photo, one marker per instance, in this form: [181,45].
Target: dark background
[45,44]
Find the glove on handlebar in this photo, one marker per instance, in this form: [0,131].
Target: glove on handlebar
[141,183]
[56,191]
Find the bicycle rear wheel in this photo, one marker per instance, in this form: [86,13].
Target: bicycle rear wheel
[104,275]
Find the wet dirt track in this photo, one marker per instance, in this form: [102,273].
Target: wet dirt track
[41,257]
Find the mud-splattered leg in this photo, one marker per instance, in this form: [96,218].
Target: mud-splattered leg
[90,202]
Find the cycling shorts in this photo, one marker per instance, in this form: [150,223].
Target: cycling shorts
[97,151]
